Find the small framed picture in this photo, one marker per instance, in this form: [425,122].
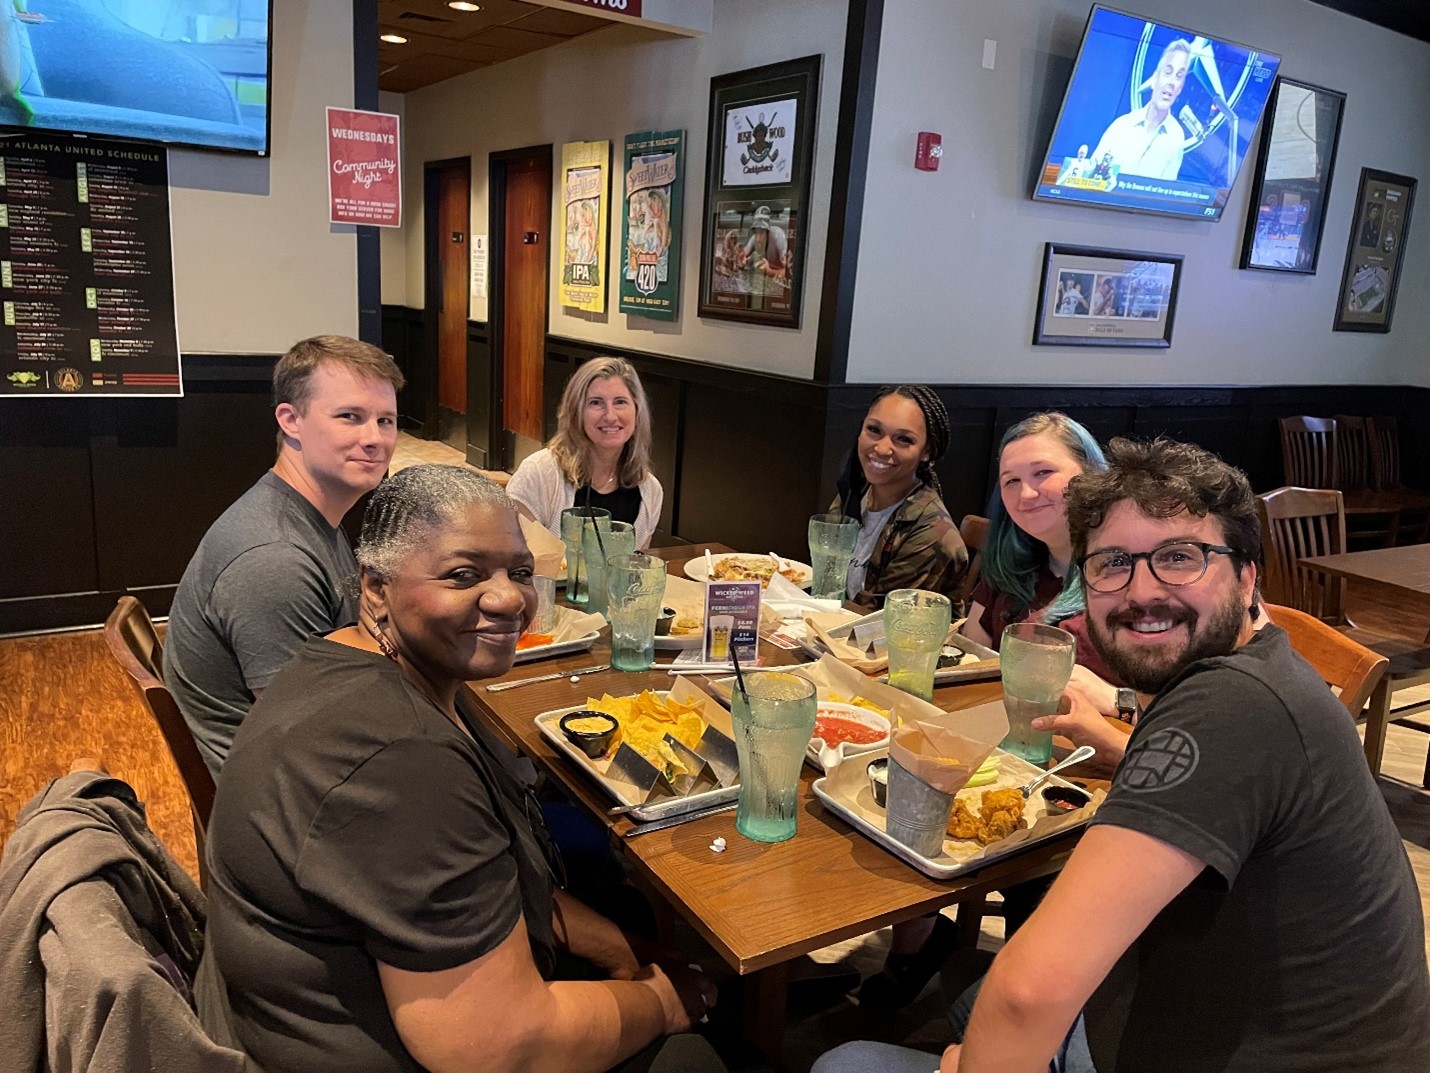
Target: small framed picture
[1373,255]
[1292,187]
[758,169]
[1095,297]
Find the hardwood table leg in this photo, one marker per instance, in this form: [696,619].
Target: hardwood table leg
[763,1011]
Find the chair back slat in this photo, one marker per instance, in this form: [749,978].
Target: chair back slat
[1341,662]
[1384,442]
[1309,452]
[974,531]
[1297,523]
[135,645]
[1353,450]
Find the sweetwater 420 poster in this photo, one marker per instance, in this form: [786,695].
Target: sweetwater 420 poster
[86,269]
[654,178]
[584,192]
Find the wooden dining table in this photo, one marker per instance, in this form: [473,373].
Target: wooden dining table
[760,906]
[1401,574]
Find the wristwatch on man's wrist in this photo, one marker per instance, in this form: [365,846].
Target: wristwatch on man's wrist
[1128,710]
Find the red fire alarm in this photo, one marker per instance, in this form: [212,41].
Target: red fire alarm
[930,149]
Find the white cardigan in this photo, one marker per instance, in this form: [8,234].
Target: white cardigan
[539,485]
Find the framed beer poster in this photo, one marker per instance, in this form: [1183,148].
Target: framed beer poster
[585,186]
[650,246]
[1376,248]
[757,177]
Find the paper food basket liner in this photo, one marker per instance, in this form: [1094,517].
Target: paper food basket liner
[571,624]
[944,750]
[843,649]
[546,548]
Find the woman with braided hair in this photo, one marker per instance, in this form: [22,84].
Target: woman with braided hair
[907,540]
[383,890]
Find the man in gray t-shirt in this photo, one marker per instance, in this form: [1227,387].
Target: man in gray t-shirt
[275,567]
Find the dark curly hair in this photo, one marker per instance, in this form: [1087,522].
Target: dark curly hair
[1164,478]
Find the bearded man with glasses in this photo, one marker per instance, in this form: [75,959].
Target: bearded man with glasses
[1267,917]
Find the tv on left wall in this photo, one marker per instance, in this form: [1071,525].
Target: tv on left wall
[182,72]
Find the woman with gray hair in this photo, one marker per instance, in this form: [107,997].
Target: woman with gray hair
[381,894]
[600,455]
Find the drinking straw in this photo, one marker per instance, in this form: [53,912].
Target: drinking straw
[739,675]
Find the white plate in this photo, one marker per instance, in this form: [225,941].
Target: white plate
[695,569]
[556,648]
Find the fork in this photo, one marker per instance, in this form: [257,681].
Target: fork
[1077,756]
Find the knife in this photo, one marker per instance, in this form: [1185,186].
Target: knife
[547,677]
[676,821]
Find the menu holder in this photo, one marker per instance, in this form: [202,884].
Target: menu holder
[732,621]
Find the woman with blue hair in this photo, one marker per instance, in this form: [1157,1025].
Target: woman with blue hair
[1028,571]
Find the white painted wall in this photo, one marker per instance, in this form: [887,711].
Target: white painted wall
[607,85]
[949,261]
[257,266]
[394,239]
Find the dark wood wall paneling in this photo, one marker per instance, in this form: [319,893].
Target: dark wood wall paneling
[115,494]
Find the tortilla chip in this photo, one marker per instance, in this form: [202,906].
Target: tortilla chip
[646,719]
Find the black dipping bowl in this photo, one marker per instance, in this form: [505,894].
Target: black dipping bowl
[664,621]
[951,656]
[879,780]
[1065,798]
[593,743]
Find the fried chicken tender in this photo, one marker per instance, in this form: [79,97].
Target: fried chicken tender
[1000,814]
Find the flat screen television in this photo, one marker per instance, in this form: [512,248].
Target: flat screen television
[1156,118]
[182,72]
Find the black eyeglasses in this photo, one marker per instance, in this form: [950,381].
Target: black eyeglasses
[1182,563]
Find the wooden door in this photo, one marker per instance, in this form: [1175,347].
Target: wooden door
[526,259]
[453,212]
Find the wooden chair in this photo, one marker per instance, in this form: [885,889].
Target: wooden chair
[1345,664]
[1296,523]
[974,531]
[1300,522]
[1383,438]
[1352,452]
[129,632]
[1309,452]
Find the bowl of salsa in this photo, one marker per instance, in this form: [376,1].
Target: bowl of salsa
[845,730]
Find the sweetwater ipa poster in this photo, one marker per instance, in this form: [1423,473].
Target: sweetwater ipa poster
[364,168]
[650,276]
[585,181]
[86,269]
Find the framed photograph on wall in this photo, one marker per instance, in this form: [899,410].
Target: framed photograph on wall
[1377,245]
[757,174]
[1292,186]
[1096,297]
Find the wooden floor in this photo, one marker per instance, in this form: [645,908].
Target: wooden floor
[64,697]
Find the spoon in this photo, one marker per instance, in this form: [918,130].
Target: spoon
[1077,756]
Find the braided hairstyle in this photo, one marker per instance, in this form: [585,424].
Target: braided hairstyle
[853,484]
[411,504]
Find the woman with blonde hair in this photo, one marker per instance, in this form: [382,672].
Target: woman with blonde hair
[600,455]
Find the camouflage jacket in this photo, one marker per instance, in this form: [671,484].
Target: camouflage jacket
[919,548]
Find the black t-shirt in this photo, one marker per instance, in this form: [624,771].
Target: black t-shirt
[354,824]
[623,503]
[1301,946]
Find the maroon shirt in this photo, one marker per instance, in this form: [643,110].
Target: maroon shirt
[999,611]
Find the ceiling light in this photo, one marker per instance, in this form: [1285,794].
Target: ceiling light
[463,5]
[393,39]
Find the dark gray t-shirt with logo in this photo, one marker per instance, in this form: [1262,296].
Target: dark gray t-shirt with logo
[1301,946]
[270,573]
